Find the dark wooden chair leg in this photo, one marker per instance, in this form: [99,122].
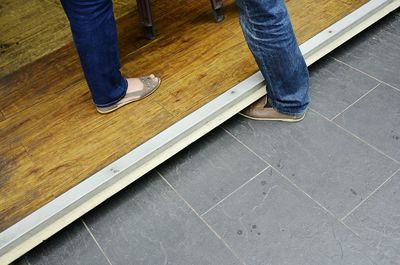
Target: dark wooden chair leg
[218,10]
[144,8]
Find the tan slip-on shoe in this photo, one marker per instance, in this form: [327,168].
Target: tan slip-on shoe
[259,111]
[149,86]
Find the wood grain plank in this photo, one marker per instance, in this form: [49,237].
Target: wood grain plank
[224,70]
[184,51]
[26,36]
[39,81]
[15,165]
[46,77]
[240,61]
[309,17]
[231,12]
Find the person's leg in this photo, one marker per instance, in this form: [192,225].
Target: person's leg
[270,37]
[95,37]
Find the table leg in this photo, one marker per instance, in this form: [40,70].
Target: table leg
[218,11]
[146,17]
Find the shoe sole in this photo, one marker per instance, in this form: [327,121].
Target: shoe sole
[125,103]
[273,119]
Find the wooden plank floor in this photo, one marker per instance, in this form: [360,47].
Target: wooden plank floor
[30,29]
[51,137]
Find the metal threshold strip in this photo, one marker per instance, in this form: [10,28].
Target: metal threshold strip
[57,214]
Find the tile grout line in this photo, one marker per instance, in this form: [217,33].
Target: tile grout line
[360,71]
[201,218]
[97,243]
[371,194]
[278,172]
[233,192]
[296,186]
[315,201]
[376,149]
[352,104]
[355,136]
[248,148]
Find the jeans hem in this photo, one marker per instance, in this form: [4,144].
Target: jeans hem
[290,113]
[115,101]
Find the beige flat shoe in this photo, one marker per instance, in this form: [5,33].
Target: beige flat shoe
[149,86]
[259,111]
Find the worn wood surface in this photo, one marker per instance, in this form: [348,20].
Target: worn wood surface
[51,137]
[30,29]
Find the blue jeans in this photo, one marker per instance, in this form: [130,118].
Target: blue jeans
[266,27]
[269,34]
[95,37]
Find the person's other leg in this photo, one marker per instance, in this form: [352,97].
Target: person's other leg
[95,37]
[268,31]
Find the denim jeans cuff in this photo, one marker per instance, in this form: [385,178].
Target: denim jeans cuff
[125,85]
[296,112]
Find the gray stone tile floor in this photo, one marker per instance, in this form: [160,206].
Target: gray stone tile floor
[323,191]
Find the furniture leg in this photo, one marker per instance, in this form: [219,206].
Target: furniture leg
[218,11]
[146,17]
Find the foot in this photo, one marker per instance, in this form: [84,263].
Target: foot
[135,84]
[259,110]
[138,88]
